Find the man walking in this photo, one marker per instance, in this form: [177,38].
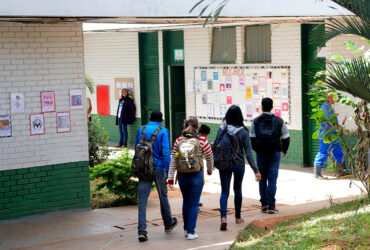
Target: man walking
[270,137]
[161,160]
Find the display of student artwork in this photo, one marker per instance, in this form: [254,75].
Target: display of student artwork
[17,103]
[37,124]
[75,99]
[47,101]
[63,122]
[244,86]
[5,126]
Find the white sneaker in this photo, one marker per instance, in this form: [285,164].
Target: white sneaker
[186,233]
[193,236]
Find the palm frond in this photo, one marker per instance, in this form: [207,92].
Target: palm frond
[89,83]
[335,27]
[351,76]
[215,8]
[359,7]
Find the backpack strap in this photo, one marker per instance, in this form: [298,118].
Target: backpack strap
[154,135]
[143,130]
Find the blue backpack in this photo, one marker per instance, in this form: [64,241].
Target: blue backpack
[225,149]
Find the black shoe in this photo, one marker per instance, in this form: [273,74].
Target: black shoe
[223,226]
[200,204]
[264,209]
[143,236]
[173,225]
[272,210]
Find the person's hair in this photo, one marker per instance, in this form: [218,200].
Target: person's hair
[191,125]
[122,97]
[267,104]
[204,129]
[234,116]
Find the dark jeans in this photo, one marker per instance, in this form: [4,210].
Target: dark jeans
[269,169]
[145,187]
[123,135]
[225,176]
[191,185]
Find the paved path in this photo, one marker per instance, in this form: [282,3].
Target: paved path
[115,228]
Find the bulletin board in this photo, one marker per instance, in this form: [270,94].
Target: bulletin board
[217,88]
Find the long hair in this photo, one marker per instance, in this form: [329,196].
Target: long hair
[191,126]
[234,116]
[122,97]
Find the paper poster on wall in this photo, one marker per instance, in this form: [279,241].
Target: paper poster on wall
[249,111]
[204,98]
[277,111]
[222,88]
[255,92]
[215,99]
[276,90]
[284,77]
[215,76]
[269,75]
[203,76]
[262,83]
[190,85]
[241,82]
[5,126]
[228,82]
[209,85]
[285,106]
[254,77]
[75,98]
[37,124]
[229,100]
[47,101]
[17,102]
[284,91]
[222,99]
[223,110]
[248,92]
[198,87]
[210,110]
[63,122]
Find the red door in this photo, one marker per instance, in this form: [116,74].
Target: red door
[102,96]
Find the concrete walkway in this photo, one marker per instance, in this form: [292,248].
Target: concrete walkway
[115,228]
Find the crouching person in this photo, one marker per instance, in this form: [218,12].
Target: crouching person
[151,163]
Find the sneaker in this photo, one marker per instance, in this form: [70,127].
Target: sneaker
[239,221]
[321,177]
[193,236]
[264,209]
[223,226]
[272,210]
[173,225]
[186,233]
[143,236]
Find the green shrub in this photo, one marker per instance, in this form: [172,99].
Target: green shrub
[115,175]
[98,142]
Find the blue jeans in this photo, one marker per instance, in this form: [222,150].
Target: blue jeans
[225,176]
[123,135]
[269,169]
[325,149]
[145,187]
[191,185]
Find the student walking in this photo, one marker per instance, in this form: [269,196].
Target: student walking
[269,136]
[187,154]
[242,148]
[155,136]
[126,112]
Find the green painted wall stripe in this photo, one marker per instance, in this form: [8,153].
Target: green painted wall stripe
[44,189]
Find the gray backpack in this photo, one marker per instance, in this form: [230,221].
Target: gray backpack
[188,159]
[142,164]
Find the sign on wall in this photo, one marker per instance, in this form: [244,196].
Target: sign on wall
[75,99]
[5,126]
[102,98]
[17,103]
[217,88]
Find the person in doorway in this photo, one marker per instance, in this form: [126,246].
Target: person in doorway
[270,137]
[191,183]
[234,125]
[161,159]
[333,147]
[126,112]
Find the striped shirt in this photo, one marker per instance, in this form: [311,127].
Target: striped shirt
[205,151]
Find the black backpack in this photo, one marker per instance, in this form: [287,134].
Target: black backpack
[225,149]
[143,164]
[268,132]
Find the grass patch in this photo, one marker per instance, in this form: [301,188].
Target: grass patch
[342,226]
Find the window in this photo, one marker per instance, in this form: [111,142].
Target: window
[257,44]
[224,45]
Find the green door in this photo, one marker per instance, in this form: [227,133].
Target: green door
[149,74]
[310,65]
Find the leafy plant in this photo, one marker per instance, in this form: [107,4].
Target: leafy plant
[115,175]
[98,142]
[89,83]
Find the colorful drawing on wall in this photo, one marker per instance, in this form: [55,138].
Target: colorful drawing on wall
[249,111]
[255,92]
[215,76]
[75,99]
[276,90]
[209,85]
[5,126]
[228,82]
[285,106]
[210,110]
[223,110]
[262,83]
[197,87]
[17,102]
[37,124]
[203,76]
[204,98]
[284,91]
[229,100]
[63,122]
[269,75]
[248,92]
[222,88]
[254,77]
[47,101]
[277,111]
[241,82]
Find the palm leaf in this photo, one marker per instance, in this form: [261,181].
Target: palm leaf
[89,83]
[213,13]
[351,76]
[335,27]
